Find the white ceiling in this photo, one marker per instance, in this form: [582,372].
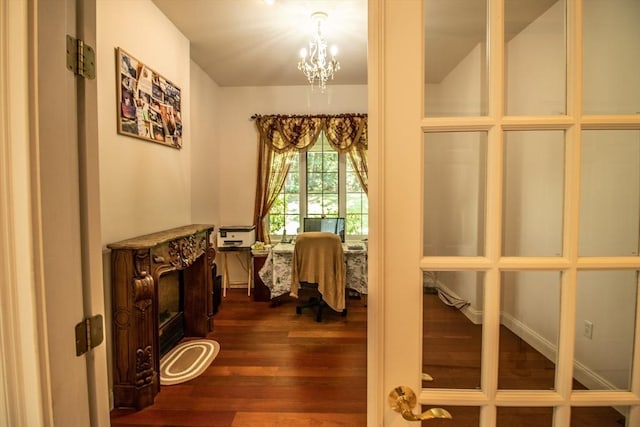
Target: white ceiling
[252,43]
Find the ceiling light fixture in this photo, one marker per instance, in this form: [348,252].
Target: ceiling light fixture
[317,68]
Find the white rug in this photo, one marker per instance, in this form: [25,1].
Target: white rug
[187,360]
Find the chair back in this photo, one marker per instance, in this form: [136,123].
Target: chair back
[318,258]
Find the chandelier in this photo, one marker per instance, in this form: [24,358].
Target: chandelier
[316,67]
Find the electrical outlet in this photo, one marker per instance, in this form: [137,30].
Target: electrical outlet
[588,329]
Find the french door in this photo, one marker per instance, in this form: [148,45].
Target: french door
[505,175]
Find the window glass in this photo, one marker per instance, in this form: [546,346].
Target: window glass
[605,416]
[605,329]
[529,328]
[320,182]
[285,212]
[522,416]
[611,58]
[455,58]
[535,57]
[463,416]
[357,205]
[452,329]
[609,193]
[322,179]
[454,193]
[533,193]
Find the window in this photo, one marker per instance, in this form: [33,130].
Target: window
[320,182]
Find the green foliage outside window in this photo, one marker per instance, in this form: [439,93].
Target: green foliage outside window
[322,193]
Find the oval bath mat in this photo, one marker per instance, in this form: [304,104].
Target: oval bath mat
[187,360]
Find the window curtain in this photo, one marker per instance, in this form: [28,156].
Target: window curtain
[280,137]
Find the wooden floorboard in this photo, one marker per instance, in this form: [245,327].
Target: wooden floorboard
[276,368]
[452,356]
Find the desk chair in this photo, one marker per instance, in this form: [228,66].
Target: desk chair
[318,263]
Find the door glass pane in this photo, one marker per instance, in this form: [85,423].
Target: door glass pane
[533,193]
[455,57]
[605,329]
[454,193]
[610,193]
[611,57]
[600,416]
[529,321]
[452,328]
[535,56]
[521,416]
[463,416]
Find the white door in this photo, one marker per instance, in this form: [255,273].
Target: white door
[21,374]
[504,169]
[70,216]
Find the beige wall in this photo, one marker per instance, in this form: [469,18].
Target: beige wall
[205,145]
[144,186]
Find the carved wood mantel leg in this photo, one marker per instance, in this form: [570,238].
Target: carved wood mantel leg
[146,375]
[135,380]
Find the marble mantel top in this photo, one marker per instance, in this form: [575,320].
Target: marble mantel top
[154,239]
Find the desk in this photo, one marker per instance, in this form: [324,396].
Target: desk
[239,252]
[276,272]
[260,290]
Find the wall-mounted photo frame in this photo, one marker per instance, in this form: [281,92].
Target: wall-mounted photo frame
[149,105]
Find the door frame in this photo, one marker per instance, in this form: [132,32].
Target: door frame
[393,353]
[91,225]
[375,310]
[23,328]
[24,337]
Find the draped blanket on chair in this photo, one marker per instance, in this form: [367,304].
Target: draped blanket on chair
[318,258]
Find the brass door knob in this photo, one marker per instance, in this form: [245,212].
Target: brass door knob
[402,399]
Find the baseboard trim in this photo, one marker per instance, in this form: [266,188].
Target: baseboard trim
[471,313]
[582,373]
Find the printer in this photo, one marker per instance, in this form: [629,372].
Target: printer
[236,236]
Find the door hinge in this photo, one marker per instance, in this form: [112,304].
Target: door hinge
[89,334]
[81,58]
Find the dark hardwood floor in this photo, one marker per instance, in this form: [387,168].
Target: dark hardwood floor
[276,368]
[452,357]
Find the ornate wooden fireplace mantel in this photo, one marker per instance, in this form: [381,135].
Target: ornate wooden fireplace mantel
[136,267]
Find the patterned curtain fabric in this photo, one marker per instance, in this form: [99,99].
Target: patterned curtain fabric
[280,136]
[273,168]
[358,158]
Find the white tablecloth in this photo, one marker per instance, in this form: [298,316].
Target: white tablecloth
[276,272]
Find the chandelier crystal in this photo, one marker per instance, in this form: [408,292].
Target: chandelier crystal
[314,63]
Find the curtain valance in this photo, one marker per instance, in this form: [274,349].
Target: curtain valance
[300,132]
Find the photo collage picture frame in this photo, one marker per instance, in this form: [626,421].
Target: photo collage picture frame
[149,105]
